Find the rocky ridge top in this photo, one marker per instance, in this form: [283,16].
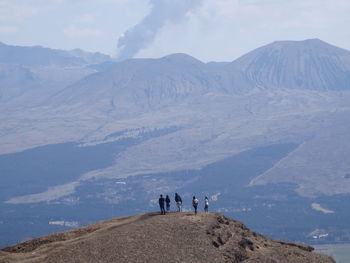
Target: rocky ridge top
[175,237]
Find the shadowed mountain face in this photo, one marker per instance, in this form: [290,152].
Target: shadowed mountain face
[175,237]
[16,80]
[310,64]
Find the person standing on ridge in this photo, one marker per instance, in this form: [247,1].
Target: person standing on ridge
[195,204]
[161,205]
[206,204]
[178,201]
[167,202]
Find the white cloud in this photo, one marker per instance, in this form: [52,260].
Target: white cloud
[75,32]
[15,11]
[86,19]
[8,29]
[218,30]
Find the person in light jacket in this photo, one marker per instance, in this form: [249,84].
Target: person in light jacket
[206,204]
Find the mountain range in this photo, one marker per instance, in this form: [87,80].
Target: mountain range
[95,123]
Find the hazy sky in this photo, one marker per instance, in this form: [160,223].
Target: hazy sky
[219,30]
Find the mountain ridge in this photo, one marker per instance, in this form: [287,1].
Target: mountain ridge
[175,237]
[148,83]
[44,56]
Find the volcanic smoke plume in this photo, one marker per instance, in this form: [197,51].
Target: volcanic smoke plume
[143,33]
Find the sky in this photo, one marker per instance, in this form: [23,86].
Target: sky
[210,30]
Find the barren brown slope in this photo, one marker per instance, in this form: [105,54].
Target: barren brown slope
[175,237]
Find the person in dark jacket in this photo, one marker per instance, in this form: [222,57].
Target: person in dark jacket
[195,204]
[161,205]
[178,201]
[167,202]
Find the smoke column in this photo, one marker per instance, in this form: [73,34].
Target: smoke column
[143,33]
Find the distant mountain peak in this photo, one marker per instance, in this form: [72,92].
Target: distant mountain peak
[314,40]
[180,56]
[307,64]
[310,40]
[313,43]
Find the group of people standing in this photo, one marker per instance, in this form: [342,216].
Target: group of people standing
[166,201]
